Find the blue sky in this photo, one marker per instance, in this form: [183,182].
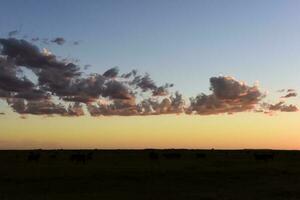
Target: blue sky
[183,42]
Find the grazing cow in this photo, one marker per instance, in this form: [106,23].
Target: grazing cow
[172,155]
[153,155]
[78,158]
[264,157]
[200,155]
[89,156]
[53,156]
[33,156]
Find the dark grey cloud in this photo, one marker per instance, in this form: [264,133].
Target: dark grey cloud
[280,106]
[13,33]
[111,73]
[35,39]
[44,107]
[169,105]
[36,107]
[83,89]
[85,67]
[117,90]
[9,79]
[28,55]
[291,90]
[145,84]
[130,74]
[62,79]
[75,109]
[62,89]
[118,107]
[59,40]
[18,105]
[5,94]
[162,90]
[228,96]
[290,94]
[33,94]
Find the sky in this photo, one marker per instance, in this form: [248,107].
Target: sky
[247,52]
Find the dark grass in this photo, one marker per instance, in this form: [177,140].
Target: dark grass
[149,174]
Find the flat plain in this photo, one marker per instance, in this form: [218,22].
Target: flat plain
[149,174]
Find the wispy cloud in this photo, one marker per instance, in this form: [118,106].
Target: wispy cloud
[59,40]
[280,106]
[290,94]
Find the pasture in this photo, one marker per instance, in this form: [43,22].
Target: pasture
[149,174]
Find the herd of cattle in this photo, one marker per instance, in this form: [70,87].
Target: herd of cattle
[81,157]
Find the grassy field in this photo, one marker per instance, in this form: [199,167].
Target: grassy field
[149,174]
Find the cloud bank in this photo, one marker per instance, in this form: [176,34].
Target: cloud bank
[63,89]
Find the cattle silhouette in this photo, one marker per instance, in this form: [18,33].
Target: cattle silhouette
[53,156]
[89,156]
[264,157]
[78,158]
[172,155]
[33,156]
[153,155]
[200,155]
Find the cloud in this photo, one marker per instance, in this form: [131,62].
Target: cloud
[291,94]
[85,67]
[117,90]
[62,89]
[75,109]
[280,106]
[59,40]
[13,33]
[291,90]
[35,39]
[228,96]
[4,94]
[9,79]
[130,74]
[162,90]
[281,90]
[145,83]
[111,73]
[118,107]
[33,94]
[128,107]
[169,105]
[63,79]
[28,55]
[36,107]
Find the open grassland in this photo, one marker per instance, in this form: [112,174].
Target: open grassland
[149,174]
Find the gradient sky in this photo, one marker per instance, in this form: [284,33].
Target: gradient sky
[182,42]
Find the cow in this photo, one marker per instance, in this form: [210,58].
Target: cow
[78,158]
[264,157]
[200,155]
[89,156]
[173,155]
[153,155]
[33,156]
